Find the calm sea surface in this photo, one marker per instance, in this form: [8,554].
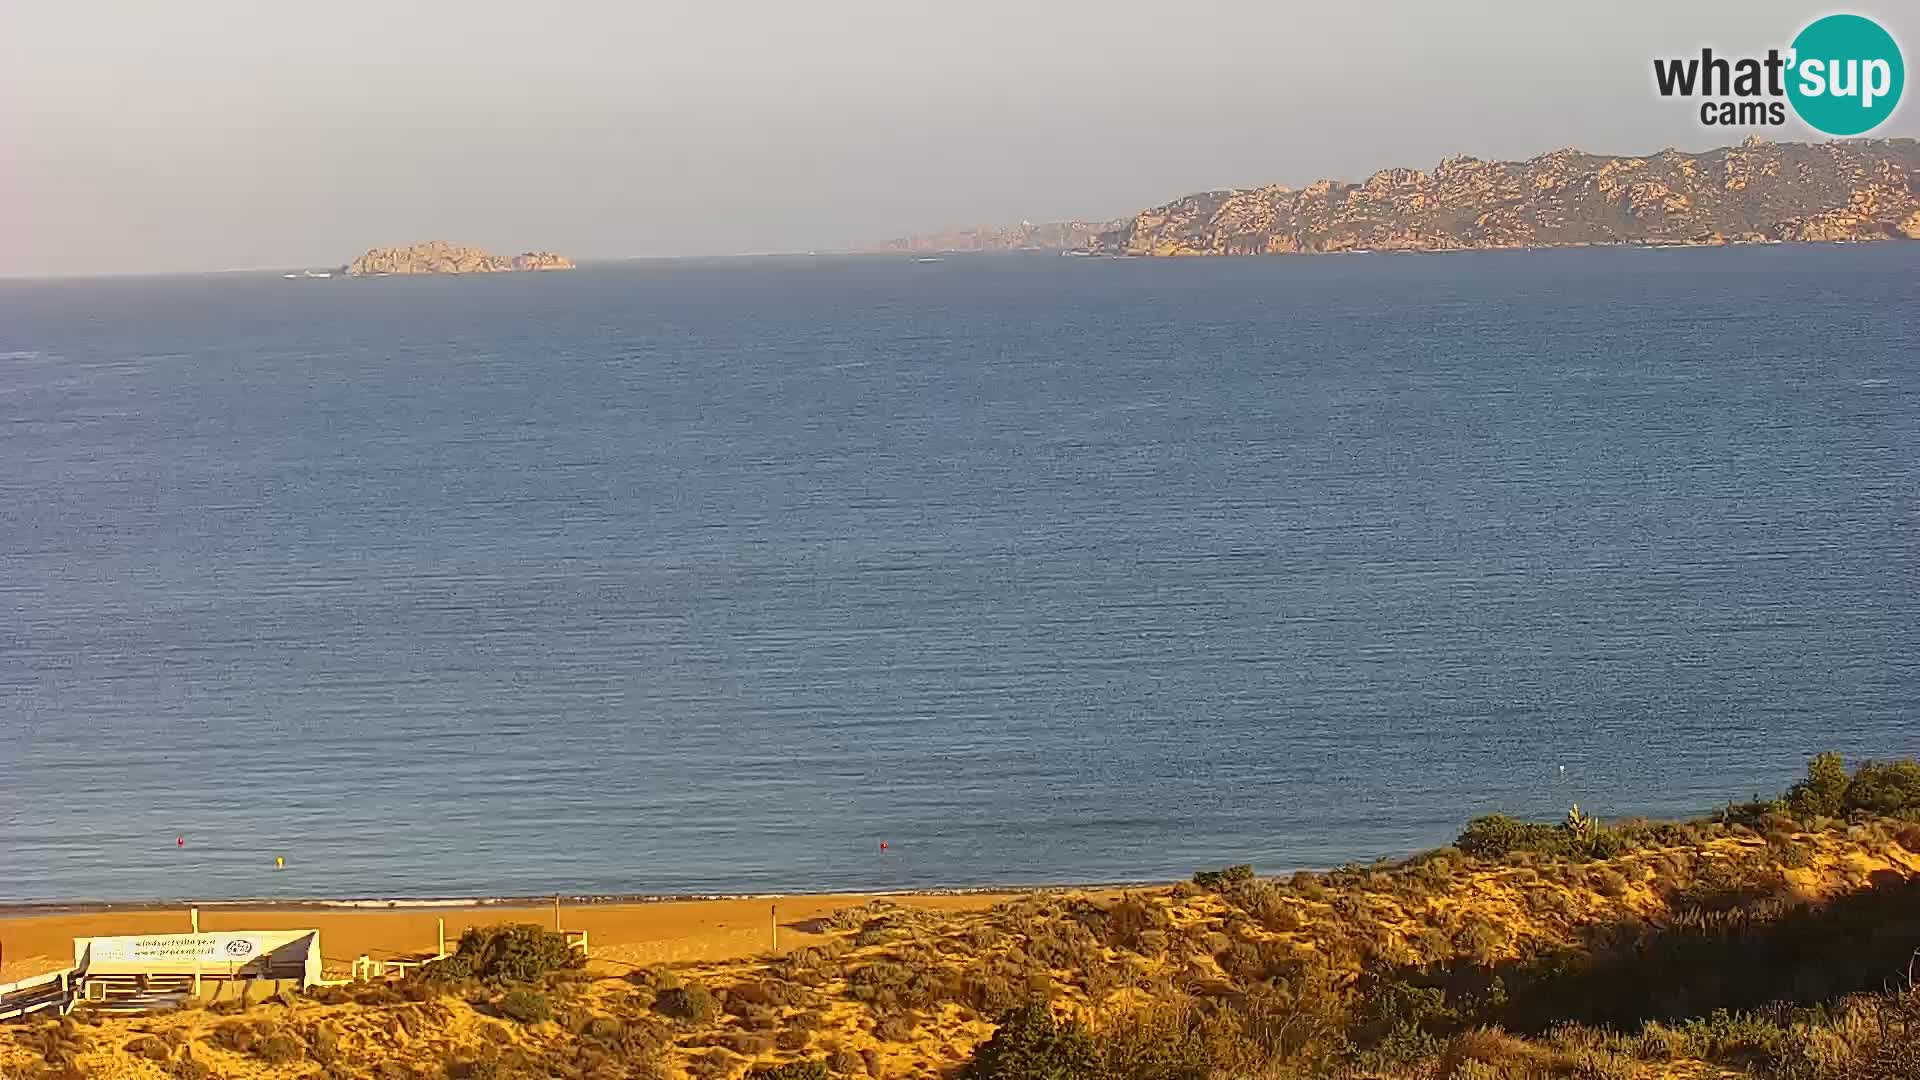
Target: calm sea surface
[711,576]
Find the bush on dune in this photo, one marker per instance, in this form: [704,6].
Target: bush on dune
[1029,1044]
[524,1004]
[692,1003]
[1124,924]
[1889,790]
[1224,878]
[1579,836]
[519,952]
[1824,792]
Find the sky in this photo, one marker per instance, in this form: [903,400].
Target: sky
[187,135]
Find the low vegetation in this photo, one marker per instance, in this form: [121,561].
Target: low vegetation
[518,952]
[1776,939]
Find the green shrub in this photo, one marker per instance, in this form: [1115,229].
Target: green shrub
[1754,814]
[1029,1044]
[1578,836]
[1123,925]
[1065,944]
[1396,1011]
[1656,834]
[1493,836]
[519,952]
[651,978]
[692,1003]
[525,1004]
[1224,878]
[994,989]
[1172,1041]
[1889,789]
[808,966]
[1729,1036]
[1823,793]
[889,984]
[1278,914]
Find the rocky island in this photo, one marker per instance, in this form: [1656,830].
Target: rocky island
[441,257]
[1756,192]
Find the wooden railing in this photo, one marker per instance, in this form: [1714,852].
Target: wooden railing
[56,990]
[367,968]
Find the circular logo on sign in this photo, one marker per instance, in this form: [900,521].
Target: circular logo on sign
[1847,75]
[239,948]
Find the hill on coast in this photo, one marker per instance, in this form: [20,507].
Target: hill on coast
[441,257]
[1772,941]
[1756,192]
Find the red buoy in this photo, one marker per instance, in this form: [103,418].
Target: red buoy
[179,841]
[883,845]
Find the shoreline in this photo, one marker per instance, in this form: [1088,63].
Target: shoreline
[28,909]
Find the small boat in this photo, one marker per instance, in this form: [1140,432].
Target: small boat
[289,275]
[320,274]
[927,259]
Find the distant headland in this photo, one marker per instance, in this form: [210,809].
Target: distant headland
[441,257]
[1847,191]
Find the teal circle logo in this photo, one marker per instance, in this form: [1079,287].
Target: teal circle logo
[1847,75]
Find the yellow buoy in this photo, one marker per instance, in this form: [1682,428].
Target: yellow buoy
[279,862]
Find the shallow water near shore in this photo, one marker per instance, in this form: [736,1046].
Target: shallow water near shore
[709,577]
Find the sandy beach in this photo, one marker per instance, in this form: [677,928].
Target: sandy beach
[637,933]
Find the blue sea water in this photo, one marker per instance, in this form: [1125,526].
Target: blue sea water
[711,576]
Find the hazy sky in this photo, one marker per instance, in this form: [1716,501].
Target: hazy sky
[204,134]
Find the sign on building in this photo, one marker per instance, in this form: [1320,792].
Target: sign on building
[167,949]
[243,954]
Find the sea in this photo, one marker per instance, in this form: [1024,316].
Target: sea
[868,573]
